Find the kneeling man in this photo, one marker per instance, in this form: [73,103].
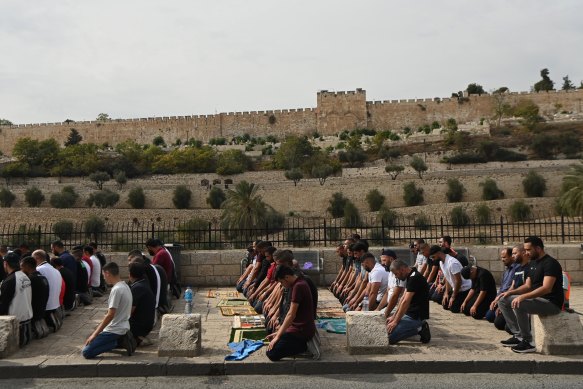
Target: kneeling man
[411,317]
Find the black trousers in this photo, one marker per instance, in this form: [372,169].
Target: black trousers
[457,303]
[482,308]
[287,346]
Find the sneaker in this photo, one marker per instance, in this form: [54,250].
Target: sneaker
[128,342]
[425,333]
[524,347]
[144,341]
[511,342]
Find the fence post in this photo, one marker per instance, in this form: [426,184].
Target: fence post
[325,237]
[210,237]
[501,229]
[383,231]
[153,234]
[38,243]
[441,226]
[562,228]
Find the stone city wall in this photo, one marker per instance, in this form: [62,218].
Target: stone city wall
[222,268]
[335,112]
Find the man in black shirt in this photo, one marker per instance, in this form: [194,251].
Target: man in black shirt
[143,304]
[157,279]
[482,293]
[541,294]
[411,317]
[70,284]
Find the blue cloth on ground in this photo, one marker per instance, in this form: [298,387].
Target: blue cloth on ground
[242,350]
[333,325]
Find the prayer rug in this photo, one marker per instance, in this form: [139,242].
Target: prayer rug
[233,303]
[223,294]
[249,321]
[244,310]
[335,326]
[239,334]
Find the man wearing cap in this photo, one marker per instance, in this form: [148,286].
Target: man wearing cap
[395,286]
[482,293]
[456,288]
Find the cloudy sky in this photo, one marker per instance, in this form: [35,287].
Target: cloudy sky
[138,58]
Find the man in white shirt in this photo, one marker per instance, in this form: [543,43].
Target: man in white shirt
[395,287]
[377,281]
[456,287]
[115,326]
[55,280]
[95,280]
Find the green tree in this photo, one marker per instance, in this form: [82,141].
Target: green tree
[73,138]
[232,162]
[137,198]
[546,84]
[337,203]
[389,153]
[159,141]
[567,84]
[216,197]
[94,226]
[34,197]
[500,106]
[520,211]
[64,229]
[475,89]
[322,172]
[6,198]
[5,122]
[120,178]
[14,170]
[388,217]
[351,215]
[571,195]
[419,165]
[455,190]
[459,217]
[294,175]
[534,184]
[99,178]
[375,200]
[181,197]
[529,112]
[65,199]
[490,190]
[76,160]
[394,170]
[412,195]
[104,198]
[294,150]
[483,214]
[103,117]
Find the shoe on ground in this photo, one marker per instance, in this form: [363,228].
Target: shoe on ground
[524,347]
[128,343]
[425,333]
[144,341]
[511,342]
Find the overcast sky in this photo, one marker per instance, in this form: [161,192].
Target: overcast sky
[138,58]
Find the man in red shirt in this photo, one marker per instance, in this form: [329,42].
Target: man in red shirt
[298,327]
[161,256]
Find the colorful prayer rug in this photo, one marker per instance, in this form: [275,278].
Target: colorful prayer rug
[223,294]
[232,303]
[244,310]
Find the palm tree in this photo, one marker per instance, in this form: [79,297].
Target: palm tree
[243,210]
[571,198]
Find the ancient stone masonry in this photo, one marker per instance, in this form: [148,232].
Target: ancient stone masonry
[335,112]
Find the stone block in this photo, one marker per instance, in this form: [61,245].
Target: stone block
[180,336]
[560,334]
[8,335]
[366,333]
[232,257]
[572,265]
[205,270]
[227,270]
[567,251]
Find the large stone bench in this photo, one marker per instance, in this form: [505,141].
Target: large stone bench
[8,335]
[180,335]
[560,334]
[366,333]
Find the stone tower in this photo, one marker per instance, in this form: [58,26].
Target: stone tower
[339,111]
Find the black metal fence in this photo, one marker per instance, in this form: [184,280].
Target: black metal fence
[295,232]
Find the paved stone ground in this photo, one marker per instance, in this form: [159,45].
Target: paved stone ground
[459,345]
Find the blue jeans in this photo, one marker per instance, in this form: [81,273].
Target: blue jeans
[104,342]
[406,328]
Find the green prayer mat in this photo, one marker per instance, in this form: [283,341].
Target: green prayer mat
[233,303]
[238,334]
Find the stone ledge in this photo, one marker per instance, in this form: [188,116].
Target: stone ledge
[180,335]
[9,332]
[560,334]
[366,333]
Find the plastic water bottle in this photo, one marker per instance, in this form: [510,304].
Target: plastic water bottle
[365,303]
[188,301]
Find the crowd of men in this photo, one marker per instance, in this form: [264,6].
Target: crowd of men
[41,290]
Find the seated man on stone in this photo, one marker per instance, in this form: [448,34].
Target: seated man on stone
[114,329]
[298,326]
[541,294]
[411,317]
[482,293]
[456,288]
[143,314]
[16,296]
[377,282]
[40,296]
[395,287]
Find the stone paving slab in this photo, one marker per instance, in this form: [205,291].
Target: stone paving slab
[459,345]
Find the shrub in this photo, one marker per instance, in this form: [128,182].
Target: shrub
[181,197]
[520,211]
[455,190]
[388,217]
[216,197]
[137,198]
[378,238]
[34,197]
[459,217]
[463,158]
[419,165]
[412,195]
[232,162]
[65,199]
[121,244]
[333,234]
[99,178]
[63,229]
[102,199]
[490,190]
[297,238]
[394,170]
[94,227]
[337,203]
[159,141]
[6,198]
[120,178]
[193,230]
[351,215]
[483,214]
[534,184]
[422,222]
[294,175]
[375,200]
